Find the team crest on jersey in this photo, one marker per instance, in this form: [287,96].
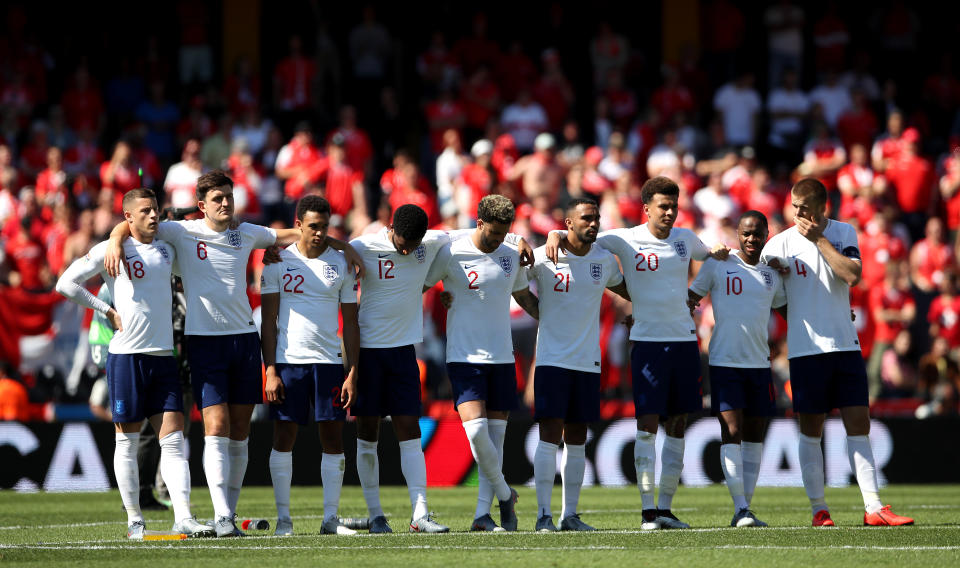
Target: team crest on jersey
[681,248]
[506,263]
[767,279]
[233,238]
[421,254]
[164,253]
[596,270]
[330,272]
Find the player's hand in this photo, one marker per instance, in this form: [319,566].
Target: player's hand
[553,246]
[446,299]
[853,315]
[526,253]
[692,304]
[234,224]
[354,260]
[114,318]
[720,252]
[271,254]
[113,258]
[628,321]
[774,263]
[274,387]
[810,229]
[348,393]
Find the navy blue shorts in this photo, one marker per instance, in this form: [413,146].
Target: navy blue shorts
[826,381]
[388,382]
[143,385]
[666,377]
[750,390]
[563,393]
[225,368]
[494,383]
[315,385]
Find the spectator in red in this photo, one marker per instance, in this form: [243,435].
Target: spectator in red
[444,114]
[912,179]
[242,87]
[879,247]
[823,156]
[120,174]
[481,100]
[342,186]
[931,258]
[861,191]
[357,143]
[858,125]
[414,188]
[33,157]
[949,184]
[247,180]
[25,255]
[477,180]
[51,185]
[830,40]
[55,238]
[437,66]
[23,313]
[505,155]
[609,52]
[82,104]
[944,313]
[298,162]
[515,70]
[293,79]
[392,178]
[553,91]
[476,49]
[592,181]
[671,97]
[893,310]
[623,103]
[887,146]
[84,157]
[148,165]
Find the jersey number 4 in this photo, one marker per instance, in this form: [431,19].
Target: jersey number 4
[297,282]
[801,268]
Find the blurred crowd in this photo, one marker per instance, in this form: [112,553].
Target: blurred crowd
[484,114]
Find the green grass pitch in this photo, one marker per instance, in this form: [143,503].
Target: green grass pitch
[88,529]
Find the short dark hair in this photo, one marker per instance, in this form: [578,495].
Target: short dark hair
[312,203]
[754,214]
[660,184]
[138,193]
[410,222]
[577,201]
[496,209]
[210,181]
[810,188]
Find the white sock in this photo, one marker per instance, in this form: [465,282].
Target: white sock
[498,431]
[861,462]
[572,466]
[331,474]
[811,468]
[176,474]
[751,453]
[731,461]
[216,466]
[645,462]
[127,472]
[414,468]
[281,474]
[671,456]
[238,468]
[485,454]
[368,468]
[544,474]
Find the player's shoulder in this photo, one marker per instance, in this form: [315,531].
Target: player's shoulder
[600,254]
[371,241]
[681,233]
[621,233]
[99,250]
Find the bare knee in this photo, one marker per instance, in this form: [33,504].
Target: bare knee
[368,428]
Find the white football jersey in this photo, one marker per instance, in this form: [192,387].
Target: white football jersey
[818,301]
[570,293]
[213,267]
[478,323]
[742,296]
[656,272]
[311,291]
[143,298]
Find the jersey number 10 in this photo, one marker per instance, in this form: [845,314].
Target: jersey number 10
[734,285]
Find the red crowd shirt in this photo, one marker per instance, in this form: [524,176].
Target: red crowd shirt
[913,180]
[857,128]
[357,146]
[480,181]
[878,250]
[945,312]
[26,258]
[883,298]
[935,259]
[340,180]
[851,207]
[295,77]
